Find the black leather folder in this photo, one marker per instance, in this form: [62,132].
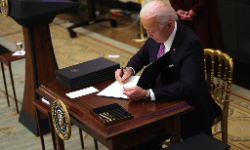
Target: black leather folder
[87,73]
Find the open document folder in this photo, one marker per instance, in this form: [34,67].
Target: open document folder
[115,89]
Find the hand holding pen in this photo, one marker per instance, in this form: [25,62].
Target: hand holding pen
[122,74]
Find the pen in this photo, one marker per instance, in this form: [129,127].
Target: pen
[121,73]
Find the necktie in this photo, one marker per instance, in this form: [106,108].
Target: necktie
[160,53]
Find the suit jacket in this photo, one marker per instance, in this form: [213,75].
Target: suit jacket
[182,78]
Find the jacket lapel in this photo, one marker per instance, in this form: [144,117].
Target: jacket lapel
[174,47]
[154,53]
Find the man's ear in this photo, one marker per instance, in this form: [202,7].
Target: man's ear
[169,24]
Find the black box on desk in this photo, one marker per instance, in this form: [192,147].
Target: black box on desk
[87,73]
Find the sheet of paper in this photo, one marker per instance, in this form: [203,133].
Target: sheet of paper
[45,101]
[113,56]
[115,89]
[19,53]
[82,92]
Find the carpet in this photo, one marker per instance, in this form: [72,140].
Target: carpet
[88,45]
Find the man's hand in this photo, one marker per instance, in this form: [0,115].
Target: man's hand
[135,93]
[126,74]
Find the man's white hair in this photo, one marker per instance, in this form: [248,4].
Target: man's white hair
[162,11]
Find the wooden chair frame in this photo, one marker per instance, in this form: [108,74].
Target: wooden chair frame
[220,89]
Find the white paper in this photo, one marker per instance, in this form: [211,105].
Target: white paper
[19,53]
[113,56]
[45,101]
[115,89]
[82,92]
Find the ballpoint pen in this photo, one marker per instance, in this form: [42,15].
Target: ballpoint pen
[121,74]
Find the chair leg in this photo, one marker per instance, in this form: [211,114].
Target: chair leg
[81,138]
[13,87]
[5,86]
[224,129]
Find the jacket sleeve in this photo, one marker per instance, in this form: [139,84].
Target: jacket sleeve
[140,59]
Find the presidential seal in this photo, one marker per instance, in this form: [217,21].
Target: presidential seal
[4,8]
[61,119]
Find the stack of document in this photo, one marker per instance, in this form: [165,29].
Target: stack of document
[87,73]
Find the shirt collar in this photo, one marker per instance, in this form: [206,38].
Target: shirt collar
[170,40]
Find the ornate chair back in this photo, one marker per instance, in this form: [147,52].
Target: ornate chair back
[219,77]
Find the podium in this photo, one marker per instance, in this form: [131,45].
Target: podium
[35,16]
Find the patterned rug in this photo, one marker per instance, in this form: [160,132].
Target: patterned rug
[88,45]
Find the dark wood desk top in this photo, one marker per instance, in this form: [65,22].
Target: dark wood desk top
[7,58]
[42,106]
[144,112]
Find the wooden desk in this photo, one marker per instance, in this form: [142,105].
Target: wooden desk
[6,59]
[150,120]
[45,109]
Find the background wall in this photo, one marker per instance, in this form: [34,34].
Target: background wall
[235,23]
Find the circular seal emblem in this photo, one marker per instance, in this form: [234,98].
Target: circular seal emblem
[61,119]
[4,8]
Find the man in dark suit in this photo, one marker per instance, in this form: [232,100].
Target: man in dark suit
[182,75]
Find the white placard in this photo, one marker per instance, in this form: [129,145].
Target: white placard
[113,56]
[82,92]
[45,101]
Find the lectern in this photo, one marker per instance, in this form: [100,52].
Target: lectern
[35,16]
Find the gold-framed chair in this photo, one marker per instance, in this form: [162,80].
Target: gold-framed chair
[219,77]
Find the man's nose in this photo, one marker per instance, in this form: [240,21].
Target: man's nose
[149,35]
